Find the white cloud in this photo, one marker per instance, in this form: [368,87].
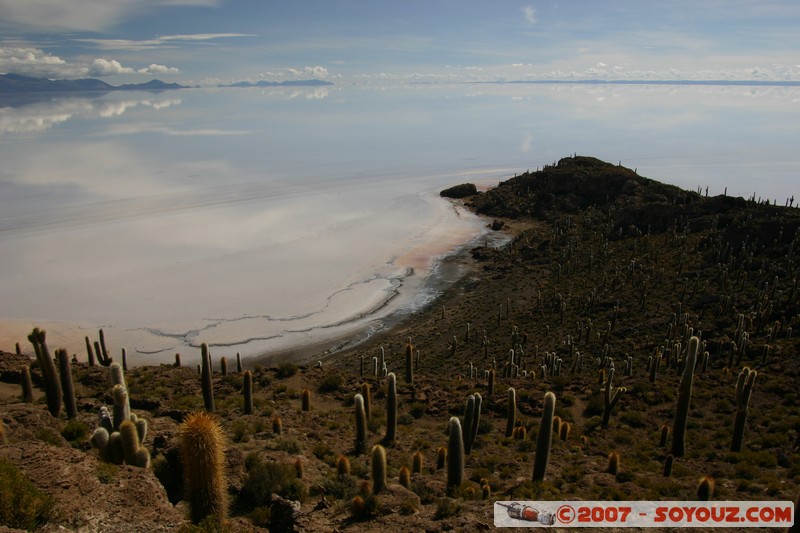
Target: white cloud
[530,15]
[105,67]
[80,15]
[314,72]
[29,61]
[165,41]
[158,69]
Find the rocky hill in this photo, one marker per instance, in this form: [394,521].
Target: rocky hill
[608,272]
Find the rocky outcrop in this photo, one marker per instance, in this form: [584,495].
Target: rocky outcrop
[464,190]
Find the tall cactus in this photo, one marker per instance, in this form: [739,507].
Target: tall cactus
[205,376]
[27,385]
[378,468]
[366,392]
[361,425]
[684,399]
[89,352]
[65,372]
[247,390]
[134,454]
[744,386]
[455,454]
[391,409]
[472,419]
[544,438]
[202,454]
[511,414]
[609,399]
[52,385]
[409,363]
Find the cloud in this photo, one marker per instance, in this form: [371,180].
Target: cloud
[80,15]
[165,41]
[105,67]
[314,72]
[36,62]
[530,15]
[158,69]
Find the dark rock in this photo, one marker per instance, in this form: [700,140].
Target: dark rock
[283,515]
[460,191]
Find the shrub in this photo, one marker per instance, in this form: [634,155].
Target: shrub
[74,431]
[22,505]
[287,370]
[267,478]
[447,507]
[331,383]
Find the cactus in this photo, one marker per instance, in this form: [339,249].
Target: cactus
[223,365]
[566,427]
[366,393]
[609,400]
[391,409]
[668,465]
[306,400]
[65,372]
[125,359]
[248,393]
[490,387]
[177,360]
[205,378]
[544,438]
[52,385]
[416,463]
[2,434]
[361,425]
[455,454]
[378,469]
[511,411]
[664,435]
[613,463]
[27,385]
[486,491]
[102,353]
[133,453]
[238,362]
[343,466]
[404,477]
[298,468]
[202,453]
[744,387]
[409,363]
[441,457]
[705,489]
[89,352]
[684,399]
[469,416]
[277,425]
[121,406]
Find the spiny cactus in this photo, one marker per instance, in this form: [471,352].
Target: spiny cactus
[89,352]
[472,420]
[277,425]
[248,393]
[441,457]
[306,400]
[705,489]
[223,366]
[455,454]
[298,468]
[391,409]
[205,378]
[65,372]
[134,454]
[121,406]
[177,360]
[27,385]
[361,425]
[490,387]
[613,463]
[416,463]
[238,362]
[744,387]
[404,477]
[125,359]
[378,469]
[409,363]
[102,353]
[511,411]
[684,399]
[668,465]
[609,399]
[52,385]
[664,435]
[366,393]
[566,427]
[343,466]
[544,438]
[202,450]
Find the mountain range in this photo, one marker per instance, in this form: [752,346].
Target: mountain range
[15,83]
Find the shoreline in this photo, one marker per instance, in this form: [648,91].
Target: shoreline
[446,274]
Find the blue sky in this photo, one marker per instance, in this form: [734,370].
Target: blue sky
[373,41]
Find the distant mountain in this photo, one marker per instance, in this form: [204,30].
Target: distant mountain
[14,83]
[292,83]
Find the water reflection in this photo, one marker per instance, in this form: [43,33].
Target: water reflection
[263,217]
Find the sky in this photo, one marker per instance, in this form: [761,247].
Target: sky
[207,42]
